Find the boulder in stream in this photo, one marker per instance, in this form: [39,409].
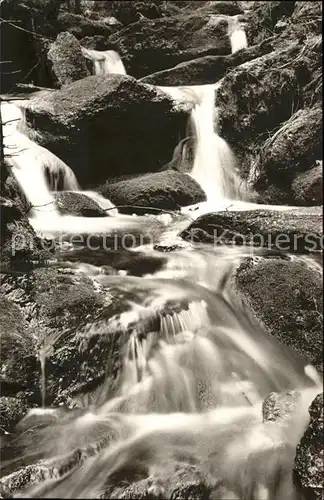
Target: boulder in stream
[78,204]
[287,297]
[19,245]
[296,230]
[207,69]
[167,190]
[279,406]
[103,126]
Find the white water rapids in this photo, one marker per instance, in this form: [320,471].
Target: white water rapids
[190,391]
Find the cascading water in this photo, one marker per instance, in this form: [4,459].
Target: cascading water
[237,34]
[36,169]
[214,162]
[105,62]
[189,392]
[191,387]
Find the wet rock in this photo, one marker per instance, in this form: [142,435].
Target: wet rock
[208,69]
[59,305]
[175,482]
[165,190]
[78,204]
[111,262]
[68,63]
[308,466]
[11,411]
[279,406]
[112,123]
[295,230]
[19,244]
[287,298]
[24,478]
[264,90]
[307,187]
[151,45]
[30,475]
[293,149]
[82,26]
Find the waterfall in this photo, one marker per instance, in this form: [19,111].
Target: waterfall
[214,166]
[105,62]
[237,34]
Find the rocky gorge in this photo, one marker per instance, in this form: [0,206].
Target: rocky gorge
[154,156]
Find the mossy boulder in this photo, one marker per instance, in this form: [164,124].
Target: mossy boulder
[151,45]
[292,150]
[167,190]
[308,466]
[67,61]
[287,297]
[262,91]
[112,123]
[78,204]
[207,69]
[298,230]
[19,245]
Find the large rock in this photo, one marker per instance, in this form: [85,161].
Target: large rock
[207,69]
[68,62]
[167,190]
[307,188]
[287,297]
[309,460]
[151,45]
[78,204]
[293,149]
[298,230]
[262,91]
[59,305]
[107,126]
[19,245]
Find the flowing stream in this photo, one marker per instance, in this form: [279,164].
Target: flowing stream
[191,388]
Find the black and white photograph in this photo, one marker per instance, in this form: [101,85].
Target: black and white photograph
[161,250]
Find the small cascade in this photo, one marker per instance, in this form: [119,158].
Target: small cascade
[105,62]
[37,170]
[237,34]
[214,162]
